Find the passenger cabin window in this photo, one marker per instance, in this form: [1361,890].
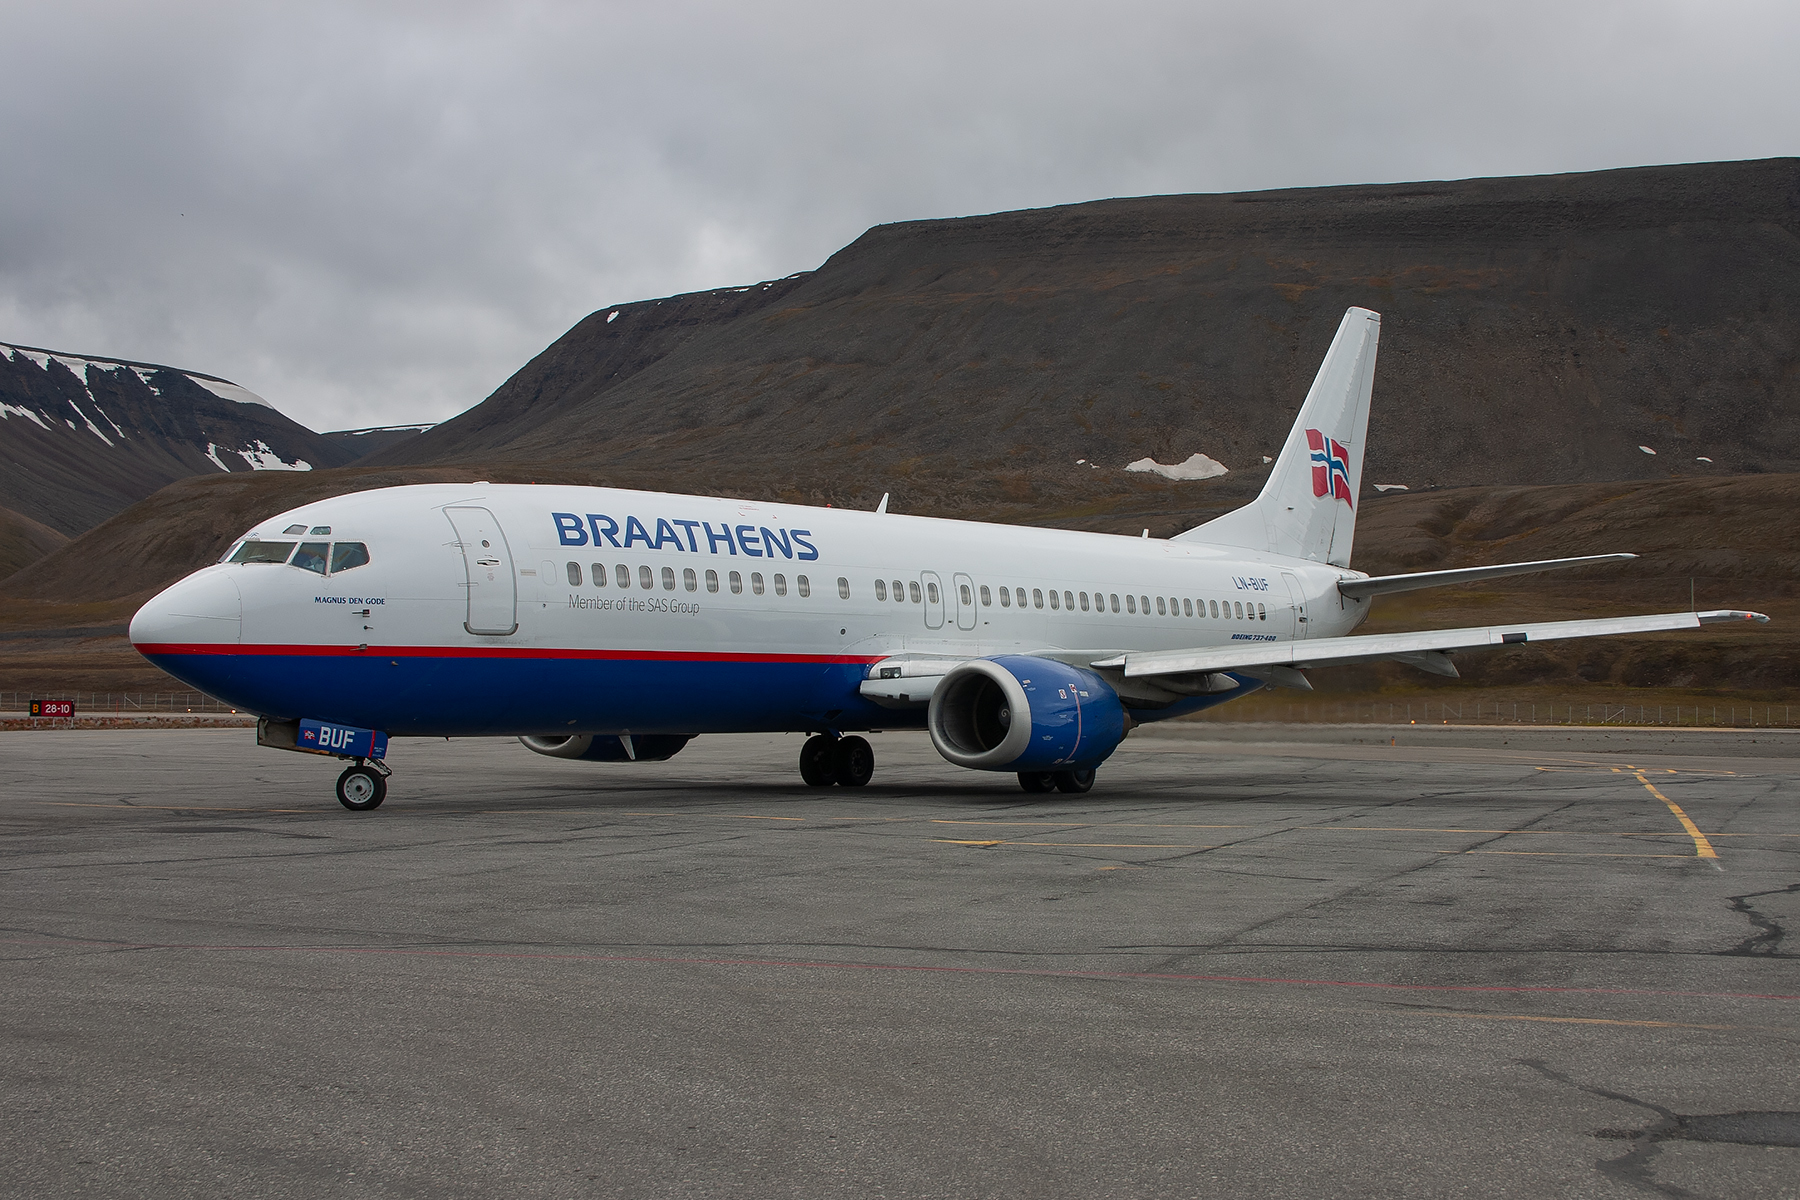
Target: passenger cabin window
[312,556]
[712,580]
[931,590]
[1115,602]
[968,597]
[668,574]
[1162,608]
[1213,606]
[781,585]
[598,572]
[1130,604]
[881,590]
[1005,597]
[1019,595]
[646,578]
[900,592]
[263,552]
[843,588]
[1055,601]
[346,556]
[756,582]
[737,584]
[622,574]
[1262,614]
[574,574]
[689,580]
[912,589]
[803,585]
[1037,597]
[1069,601]
[1084,602]
[987,597]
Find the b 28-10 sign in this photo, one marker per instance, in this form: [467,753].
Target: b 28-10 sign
[52,708]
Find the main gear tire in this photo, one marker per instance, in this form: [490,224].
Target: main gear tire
[853,761]
[1037,782]
[818,767]
[1075,782]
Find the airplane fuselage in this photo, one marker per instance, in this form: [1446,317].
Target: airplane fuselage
[544,610]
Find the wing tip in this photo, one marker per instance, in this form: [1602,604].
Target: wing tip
[1731,614]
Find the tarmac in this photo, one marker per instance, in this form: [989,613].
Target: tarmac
[1254,960]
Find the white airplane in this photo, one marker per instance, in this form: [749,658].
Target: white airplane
[611,625]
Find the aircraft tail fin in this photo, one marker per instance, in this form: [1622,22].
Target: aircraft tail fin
[1307,509]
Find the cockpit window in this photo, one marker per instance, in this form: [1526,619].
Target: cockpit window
[312,556]
[345,555]
[263,552]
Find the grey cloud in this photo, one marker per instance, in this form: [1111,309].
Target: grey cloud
[377,213]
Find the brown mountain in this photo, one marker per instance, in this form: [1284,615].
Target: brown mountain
[1536,330]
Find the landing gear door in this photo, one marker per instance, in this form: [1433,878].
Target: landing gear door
[965,600]
[1296,620]
[493,590]
[934,599]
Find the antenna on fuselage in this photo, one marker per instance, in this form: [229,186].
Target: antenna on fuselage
[882,507]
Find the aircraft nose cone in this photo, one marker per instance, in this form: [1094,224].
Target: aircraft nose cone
[204,608]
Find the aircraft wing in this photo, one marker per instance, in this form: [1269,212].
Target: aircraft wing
[1428,649]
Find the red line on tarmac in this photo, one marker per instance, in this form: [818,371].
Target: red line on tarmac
[671,960]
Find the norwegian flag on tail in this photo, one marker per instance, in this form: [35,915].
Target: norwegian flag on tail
[1330,467]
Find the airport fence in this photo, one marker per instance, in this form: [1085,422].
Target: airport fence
[1508,712]
[100,704]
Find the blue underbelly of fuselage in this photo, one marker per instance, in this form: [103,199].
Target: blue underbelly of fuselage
[421,695]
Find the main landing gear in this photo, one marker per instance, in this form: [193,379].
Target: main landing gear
[363,786]
[825,760]
[1073,782]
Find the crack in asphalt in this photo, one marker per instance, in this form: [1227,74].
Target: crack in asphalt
[1766,941]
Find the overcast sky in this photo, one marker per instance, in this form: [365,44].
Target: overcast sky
[374,214]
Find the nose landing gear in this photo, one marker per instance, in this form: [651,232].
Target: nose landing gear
[363,786]
[847,762]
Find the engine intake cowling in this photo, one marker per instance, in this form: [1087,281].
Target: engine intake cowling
[606,747]
[1020,713]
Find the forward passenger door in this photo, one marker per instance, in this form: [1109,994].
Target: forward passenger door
[493,592]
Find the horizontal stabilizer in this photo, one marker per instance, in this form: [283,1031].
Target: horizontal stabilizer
[1381,585]
[1401,647]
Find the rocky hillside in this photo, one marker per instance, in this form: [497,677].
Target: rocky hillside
[82,438]
[1554,329]
[362,442]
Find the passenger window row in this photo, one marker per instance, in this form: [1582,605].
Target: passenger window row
[318,557]
[647,578]
[1166,606]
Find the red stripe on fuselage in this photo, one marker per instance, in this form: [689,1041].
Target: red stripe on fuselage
[305,651]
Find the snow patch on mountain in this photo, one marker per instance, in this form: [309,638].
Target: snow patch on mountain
[79,364]
[1196,466]
[261,458]
[12,410]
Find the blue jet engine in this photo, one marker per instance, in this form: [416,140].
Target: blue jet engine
[1020,713]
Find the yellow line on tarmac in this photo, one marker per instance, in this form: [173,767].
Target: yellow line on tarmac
[1702,847]
[1571,1020]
